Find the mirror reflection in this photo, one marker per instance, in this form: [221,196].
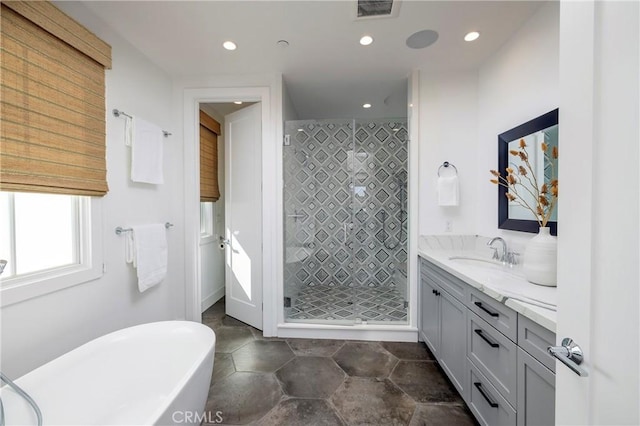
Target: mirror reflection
[542,166]
[517,211]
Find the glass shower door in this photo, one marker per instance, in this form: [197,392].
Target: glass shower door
[379,235]
[318,279]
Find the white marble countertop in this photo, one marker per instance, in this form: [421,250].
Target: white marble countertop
[502,283]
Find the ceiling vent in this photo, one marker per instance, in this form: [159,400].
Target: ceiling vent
[366,9]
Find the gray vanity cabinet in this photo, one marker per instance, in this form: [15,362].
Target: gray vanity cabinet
[453,348]
[429,315]
[536,392]
[443,321]
[496,358]
[536,377]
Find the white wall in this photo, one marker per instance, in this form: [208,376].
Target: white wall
[288,109]
[461,115]
[448,132]
[517,84]
[40,329]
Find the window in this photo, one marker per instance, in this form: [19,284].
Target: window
[206,220]
[52,104]
[41,230]
[47,238]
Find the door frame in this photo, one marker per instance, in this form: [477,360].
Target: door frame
[191,106]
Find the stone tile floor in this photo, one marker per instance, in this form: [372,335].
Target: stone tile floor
[271,381]
[324,302]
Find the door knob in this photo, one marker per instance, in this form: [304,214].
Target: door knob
[570,354]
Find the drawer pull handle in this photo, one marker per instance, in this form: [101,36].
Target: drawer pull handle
[493,314]
[481,334]
[491,402]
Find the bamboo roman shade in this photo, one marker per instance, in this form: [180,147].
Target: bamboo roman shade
[209,131]
[52,102]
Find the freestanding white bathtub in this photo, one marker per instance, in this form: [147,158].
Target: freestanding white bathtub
[151,374]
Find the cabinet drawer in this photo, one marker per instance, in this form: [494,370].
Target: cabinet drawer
[494,355]
[535,339]
[456,287]
[486,403]
[504,319]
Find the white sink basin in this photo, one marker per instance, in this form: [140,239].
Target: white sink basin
[477,262]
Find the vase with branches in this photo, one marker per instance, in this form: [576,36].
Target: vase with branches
[523,188]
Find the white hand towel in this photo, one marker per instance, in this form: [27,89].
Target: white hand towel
[448,192]
[146,151]
[150,254]
[129,249]
[128,130]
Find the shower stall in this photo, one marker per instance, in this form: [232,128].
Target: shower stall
[345,221]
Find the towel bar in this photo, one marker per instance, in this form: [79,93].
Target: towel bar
[445,165]
[120,229]
[118,113]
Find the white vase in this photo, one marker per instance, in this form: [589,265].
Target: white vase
[540,264]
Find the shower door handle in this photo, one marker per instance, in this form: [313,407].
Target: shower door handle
[345,227]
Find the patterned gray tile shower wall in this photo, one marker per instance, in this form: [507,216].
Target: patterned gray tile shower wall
[345,205]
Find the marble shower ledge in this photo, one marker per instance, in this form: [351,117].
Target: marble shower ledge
[499,283]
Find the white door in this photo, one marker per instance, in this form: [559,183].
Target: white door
[598,252]
[243,215]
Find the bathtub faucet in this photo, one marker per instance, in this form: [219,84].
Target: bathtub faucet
[23,394]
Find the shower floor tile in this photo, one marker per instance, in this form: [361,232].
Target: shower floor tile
[333,303]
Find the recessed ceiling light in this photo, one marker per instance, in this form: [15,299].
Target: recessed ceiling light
[229,45]
[366,40]
[283,43]
[366,106]
[473,35]
[237,102]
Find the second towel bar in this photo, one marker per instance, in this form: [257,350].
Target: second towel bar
[118,113]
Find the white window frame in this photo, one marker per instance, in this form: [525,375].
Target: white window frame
[89,267]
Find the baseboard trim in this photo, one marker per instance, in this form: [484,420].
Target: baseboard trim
[208,301]
[356,332]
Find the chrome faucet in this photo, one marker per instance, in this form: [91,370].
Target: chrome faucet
[507,257]
[502,258]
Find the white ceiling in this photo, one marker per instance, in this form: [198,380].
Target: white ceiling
[327,72]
